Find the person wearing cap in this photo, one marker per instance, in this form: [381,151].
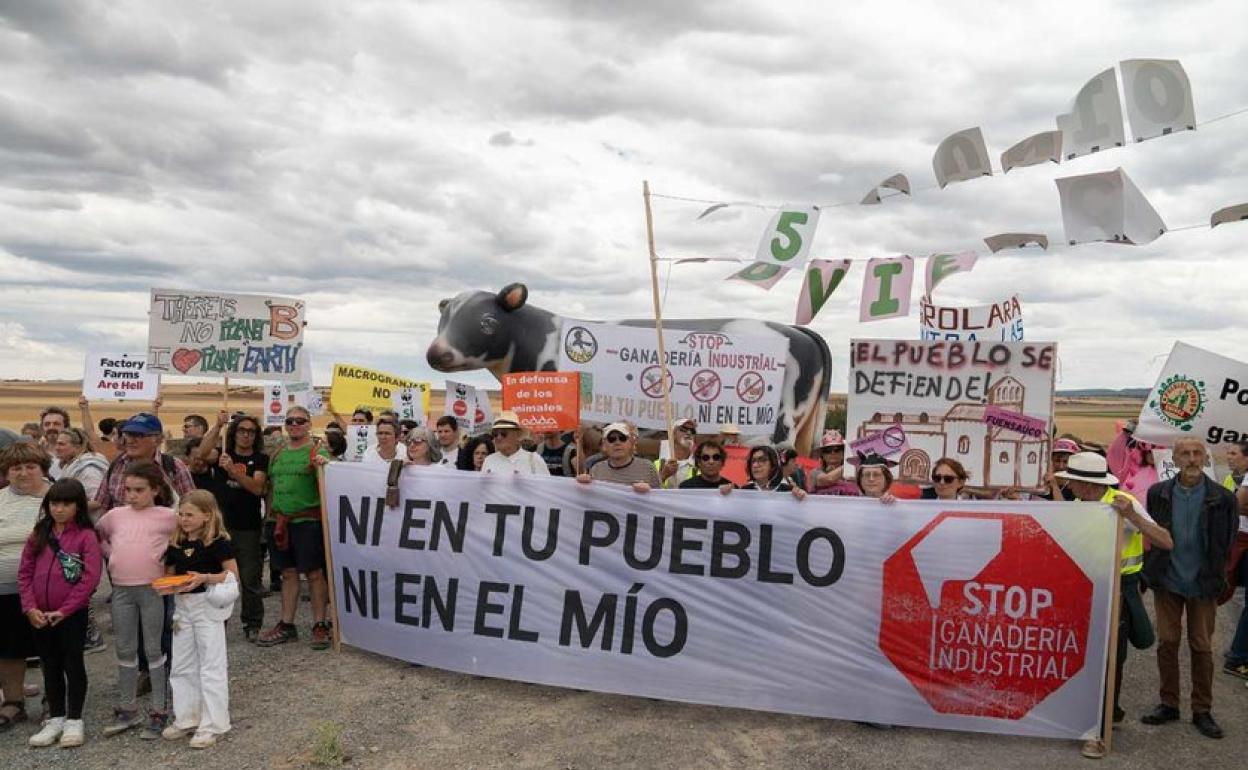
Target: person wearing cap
[680,466]
[829,477]
[621,464]
[1202,517]
[1063,449]
[141,437]
[508,457]
[1088,478]
[729,435]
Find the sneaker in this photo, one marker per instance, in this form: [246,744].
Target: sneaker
[74,734]
[49,734]
[278,634]
[1240,670]
[1093,749]
[202,739]
[155,727]
[174,733]
[95,640]
[321,635]
[122,720]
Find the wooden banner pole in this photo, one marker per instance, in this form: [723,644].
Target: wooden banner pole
[225,406]
[329,557]
[1111,671]
[658,312]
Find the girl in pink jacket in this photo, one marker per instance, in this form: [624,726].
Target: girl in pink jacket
[60,568]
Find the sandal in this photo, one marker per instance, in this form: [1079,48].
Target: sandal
[19,715]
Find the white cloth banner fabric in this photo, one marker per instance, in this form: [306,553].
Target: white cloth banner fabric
[118,377]
[1198,394]
[212,334]
[712,376]
[989,617]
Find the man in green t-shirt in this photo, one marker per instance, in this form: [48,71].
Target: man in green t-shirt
[298,541]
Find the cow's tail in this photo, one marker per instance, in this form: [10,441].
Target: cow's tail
[811,428]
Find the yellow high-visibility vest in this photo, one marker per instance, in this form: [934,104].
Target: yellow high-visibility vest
[1229,483]
[1131,560]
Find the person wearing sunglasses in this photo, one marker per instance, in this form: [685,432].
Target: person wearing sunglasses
[298,545]
[621,464]
[421,449]
[680,466]
[764,466]
[509,458]
[948,480]
[829,477]
[710,457]
[141,439]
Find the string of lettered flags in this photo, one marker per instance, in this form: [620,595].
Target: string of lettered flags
[1099,207]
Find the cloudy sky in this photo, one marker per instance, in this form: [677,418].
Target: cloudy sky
[375,157]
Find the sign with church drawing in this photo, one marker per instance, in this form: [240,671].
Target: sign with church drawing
[988,405]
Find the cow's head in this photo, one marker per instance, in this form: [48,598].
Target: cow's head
[475,330]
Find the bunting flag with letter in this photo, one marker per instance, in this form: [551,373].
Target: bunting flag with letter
[823,276]
[1094,122]
[961,156]
[1035,149]
[786,241]
[1158,96]
[886,288]
[941,266]
[760,274]
[1107,206]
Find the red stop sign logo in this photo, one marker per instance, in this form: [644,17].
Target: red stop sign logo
[460,408]
[988,631]
[478,417]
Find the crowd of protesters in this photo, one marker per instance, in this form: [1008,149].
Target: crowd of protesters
[181,535]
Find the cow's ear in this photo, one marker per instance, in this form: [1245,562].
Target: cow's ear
[513,296]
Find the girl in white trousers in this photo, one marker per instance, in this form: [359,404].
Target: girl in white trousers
[200,551]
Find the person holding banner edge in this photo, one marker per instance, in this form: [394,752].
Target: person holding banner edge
[710,456]
[1088,478]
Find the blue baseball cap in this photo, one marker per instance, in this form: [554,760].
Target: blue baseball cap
[144,423]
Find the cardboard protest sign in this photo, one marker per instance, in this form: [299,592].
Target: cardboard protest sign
[118,377]
[275,404]
[408,405]
[1198,394]
[941,394]
[309,398]
[469,405]
[999,322]
[359,439]
[750,600]
[887,443]
[544,400]
[354,387]
[243,336]
[713,377]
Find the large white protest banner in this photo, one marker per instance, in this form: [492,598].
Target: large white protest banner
[118,377]
[988,616]
[948,398]
[1198,394]
[1001,321]
[244,336]
[713,377]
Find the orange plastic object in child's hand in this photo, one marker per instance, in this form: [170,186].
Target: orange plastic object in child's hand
[171,582]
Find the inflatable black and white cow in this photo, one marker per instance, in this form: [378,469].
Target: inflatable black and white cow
[503,333]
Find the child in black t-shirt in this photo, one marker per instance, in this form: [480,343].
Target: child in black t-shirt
[201,548]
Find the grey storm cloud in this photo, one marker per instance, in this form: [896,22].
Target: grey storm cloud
[376,157]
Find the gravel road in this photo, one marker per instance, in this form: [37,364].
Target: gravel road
[393,715]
